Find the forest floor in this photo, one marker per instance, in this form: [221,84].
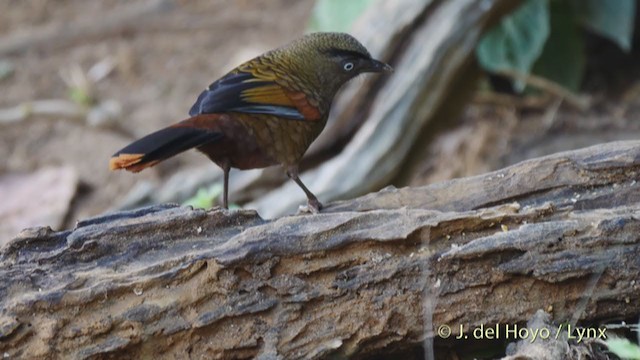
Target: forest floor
[162,58]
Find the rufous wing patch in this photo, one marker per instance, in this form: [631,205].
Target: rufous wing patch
[301,103]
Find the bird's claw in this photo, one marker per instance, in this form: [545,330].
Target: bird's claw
[313,207]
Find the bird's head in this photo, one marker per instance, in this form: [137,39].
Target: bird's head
[331,59]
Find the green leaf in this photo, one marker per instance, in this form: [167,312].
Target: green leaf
[563,57]
[613,19]
[205,197]
[517,42]
[623,348]
[336,15]
[80,96]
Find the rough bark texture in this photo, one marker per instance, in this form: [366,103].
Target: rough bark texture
[562,232]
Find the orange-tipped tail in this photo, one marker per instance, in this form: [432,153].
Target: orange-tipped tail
[124,161]
[160,145]
[130,162]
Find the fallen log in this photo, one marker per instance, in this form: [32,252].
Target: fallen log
[373,274]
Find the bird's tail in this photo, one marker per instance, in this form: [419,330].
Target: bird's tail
[161,145]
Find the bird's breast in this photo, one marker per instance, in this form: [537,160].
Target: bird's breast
[238,147]
[253,141]
[284,140]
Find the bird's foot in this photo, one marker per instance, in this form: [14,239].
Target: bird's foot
[313,207]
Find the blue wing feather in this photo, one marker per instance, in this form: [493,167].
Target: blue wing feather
[224,95]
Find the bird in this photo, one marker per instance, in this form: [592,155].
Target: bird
[265,112]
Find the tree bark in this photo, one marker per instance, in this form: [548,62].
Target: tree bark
[559,233]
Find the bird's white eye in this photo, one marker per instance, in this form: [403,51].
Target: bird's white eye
[348,66]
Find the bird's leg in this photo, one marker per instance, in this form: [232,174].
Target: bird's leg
[314,205]
[225,193]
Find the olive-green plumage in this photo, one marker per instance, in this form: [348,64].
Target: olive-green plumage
[265,112]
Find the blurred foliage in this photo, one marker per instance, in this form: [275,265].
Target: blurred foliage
[611,19]
[205,197]
[336,15]
[623,348]
[80,96]
[544,37]
[563,58]
[517,42]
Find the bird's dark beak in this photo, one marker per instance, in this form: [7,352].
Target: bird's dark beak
[378,66]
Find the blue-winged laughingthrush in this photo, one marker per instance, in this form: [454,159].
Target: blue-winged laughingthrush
[265,112]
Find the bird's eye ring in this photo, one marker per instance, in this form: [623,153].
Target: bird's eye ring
[348,66]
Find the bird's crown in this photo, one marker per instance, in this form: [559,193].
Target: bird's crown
[331,43]
[325,61]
